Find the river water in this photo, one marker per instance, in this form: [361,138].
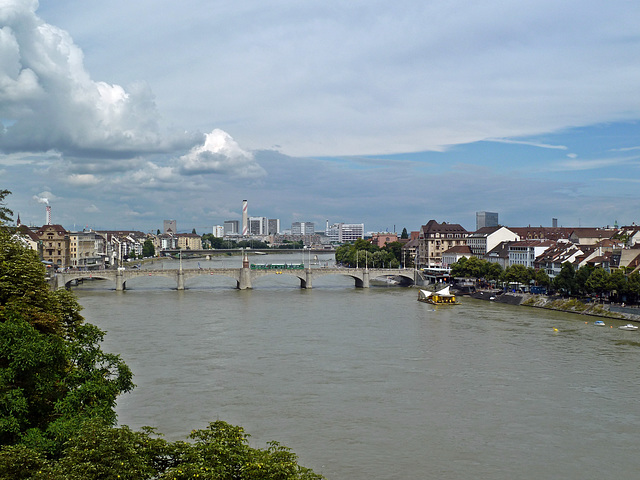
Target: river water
[371,384]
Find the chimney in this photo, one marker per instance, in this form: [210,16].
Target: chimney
[245,218]
[48,214]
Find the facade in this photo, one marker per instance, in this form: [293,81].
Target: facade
[170,226]
[302,228]
[55,245]
[350,232]
[486,219]
[218,231]
[526,252]
[551,260]
[29,238]
[591,236]
[381,239]
[231,227]
[435,239]
[273,227]
[258,225]
[86,250]
[487,238]
[454,254]
[189,241]
[499,254]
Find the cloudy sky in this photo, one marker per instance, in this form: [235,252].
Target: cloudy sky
[121,114]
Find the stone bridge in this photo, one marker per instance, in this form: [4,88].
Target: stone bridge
[243,276]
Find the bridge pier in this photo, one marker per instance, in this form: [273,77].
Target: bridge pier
[245,279]
[120,284]
[307,283]
[180,278]
[364,282]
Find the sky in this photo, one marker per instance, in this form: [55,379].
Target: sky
[122,114]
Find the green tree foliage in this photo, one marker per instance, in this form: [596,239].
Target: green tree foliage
[102,452]
[517,274]
[404,235]
[5,213]
[474,267]
[580,279]
[565,280]
[362,253]
[148,250]
[53,374]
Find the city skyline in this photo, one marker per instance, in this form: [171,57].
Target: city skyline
[122,114]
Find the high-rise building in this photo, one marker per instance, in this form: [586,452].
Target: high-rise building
[258,225]
[231,227]
[344,232]
[350,232]
[170,226]
[486,219]
[218,231]
[274,226]
[302,228]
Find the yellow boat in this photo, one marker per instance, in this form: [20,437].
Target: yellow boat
[440,297]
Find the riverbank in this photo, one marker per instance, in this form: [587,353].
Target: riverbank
[569,305]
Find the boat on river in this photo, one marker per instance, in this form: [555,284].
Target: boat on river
[439,297]
[628,326]
[599,323]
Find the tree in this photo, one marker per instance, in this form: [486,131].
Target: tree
[53,374]
[617,283]
[404,235]
[581,277]
[516,274]
[565,280]
[194,231]
[148,250]
[597,281]
[5,212]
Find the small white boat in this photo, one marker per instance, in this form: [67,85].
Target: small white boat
[628,326]
[599,323]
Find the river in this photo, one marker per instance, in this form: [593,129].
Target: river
[371,384]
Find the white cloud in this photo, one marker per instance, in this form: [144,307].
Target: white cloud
[531,144]
[83,180]
[220,154]
[48,100]
[592,164]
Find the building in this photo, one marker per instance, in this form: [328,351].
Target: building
[344,232]
[499,254]
[551,259]
[591,236]
[273,227]
[231,227]
[525,252]
[486,219]
[381,239]
[170,226]
[486,239]
[454,254]
[218,231]
[189,241]
[302,228]
[258,225]
[435,239]
[87,250]
[55,245]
